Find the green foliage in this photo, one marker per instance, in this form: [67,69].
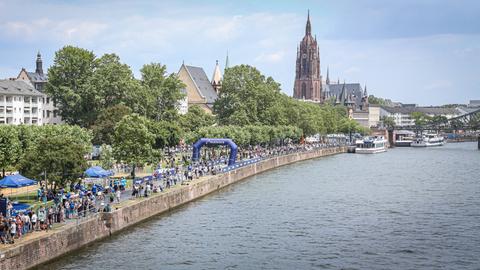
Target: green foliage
[59,151]
[249,98]
[162,92]
[388,121]
[166,134]
[196,118]
[112,83]
[377,101]
[349,126]
[438,119]
[133,141]
[104,127]
[68,84]
[420,118]
[10,147]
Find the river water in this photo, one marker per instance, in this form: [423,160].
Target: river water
[403,209]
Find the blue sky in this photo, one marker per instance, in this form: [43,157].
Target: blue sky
[414,51]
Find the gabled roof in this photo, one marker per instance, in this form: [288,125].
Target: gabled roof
[202,83]
[354,89]
[10,87]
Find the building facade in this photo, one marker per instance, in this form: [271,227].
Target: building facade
[38,80]
[20,103]
[308,80]
[402,115]
[199,89]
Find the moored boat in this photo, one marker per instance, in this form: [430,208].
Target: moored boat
[428,140]
[371,145]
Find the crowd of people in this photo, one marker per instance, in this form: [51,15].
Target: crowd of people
[82,201]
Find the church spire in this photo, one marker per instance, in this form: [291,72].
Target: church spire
[308,28]
[343,94]
[226,62]
[327,81]
[365,91]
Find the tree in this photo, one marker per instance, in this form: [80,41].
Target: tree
[10,147]
[113,84]
[106,157]
[196,118]
[133,141]
[388,122]
[104,127]
[162,92]
[419,118]
[67,84]
[247,97]
[57,153]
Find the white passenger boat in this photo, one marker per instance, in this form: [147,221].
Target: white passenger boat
[428,140]
[371,145]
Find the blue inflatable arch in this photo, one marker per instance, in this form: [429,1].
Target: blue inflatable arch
[207,141]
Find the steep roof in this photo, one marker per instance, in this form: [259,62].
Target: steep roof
[217,75]
[36,77]
[10,87]
[202,82]
[354,89]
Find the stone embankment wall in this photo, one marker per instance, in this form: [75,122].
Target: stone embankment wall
[75,235]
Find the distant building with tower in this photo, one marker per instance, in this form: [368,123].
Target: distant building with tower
[23,99]
[308,81]
[309,85]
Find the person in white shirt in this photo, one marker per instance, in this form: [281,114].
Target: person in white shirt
[34,221]
[119,194]
[13,229]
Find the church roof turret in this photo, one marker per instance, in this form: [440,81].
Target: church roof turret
[217,76]
[39,66]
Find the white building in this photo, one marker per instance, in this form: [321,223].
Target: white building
[402,115]
[38,81]
[20,103]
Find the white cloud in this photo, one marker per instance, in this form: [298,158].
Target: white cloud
[47,29]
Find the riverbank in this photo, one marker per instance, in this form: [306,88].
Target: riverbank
[72,236]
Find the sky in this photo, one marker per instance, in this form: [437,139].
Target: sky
[412,51]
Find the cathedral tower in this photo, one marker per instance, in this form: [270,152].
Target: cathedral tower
[308,81]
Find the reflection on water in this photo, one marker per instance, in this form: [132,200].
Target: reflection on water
[403,209]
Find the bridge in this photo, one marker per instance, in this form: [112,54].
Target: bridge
[467,122]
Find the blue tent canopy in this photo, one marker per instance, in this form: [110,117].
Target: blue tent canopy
[97,172]
[16,181]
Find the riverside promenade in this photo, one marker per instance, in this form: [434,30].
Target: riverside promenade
[47,246]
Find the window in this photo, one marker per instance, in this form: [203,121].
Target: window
[48,100]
